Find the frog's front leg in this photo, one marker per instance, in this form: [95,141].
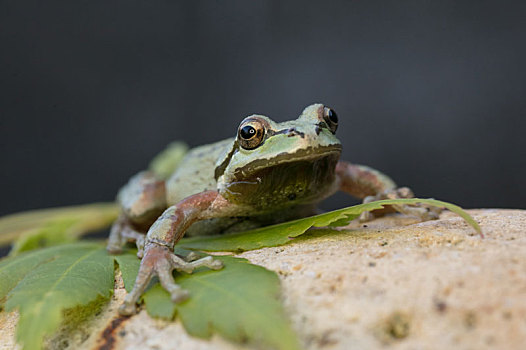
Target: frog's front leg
[371,185]
[169,228]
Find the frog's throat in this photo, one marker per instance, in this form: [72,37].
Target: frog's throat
[298,179]
[305,154]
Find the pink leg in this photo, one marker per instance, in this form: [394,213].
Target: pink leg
[169,228]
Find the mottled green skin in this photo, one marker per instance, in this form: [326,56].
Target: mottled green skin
[289,170]
[195,173]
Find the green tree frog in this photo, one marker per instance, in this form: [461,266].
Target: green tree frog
[269,173]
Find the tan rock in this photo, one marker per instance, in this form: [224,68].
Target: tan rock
[393,283]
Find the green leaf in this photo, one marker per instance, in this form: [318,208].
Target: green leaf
[48,227]
[280,234]
[14,269]
[240,302]
[54,279]
[158,303]
[129,265]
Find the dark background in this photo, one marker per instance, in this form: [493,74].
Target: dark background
[431,93]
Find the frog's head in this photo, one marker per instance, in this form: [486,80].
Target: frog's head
[274,157]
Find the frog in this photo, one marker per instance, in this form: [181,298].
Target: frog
[270,172]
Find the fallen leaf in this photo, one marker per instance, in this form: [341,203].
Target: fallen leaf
[275,235]
[58,278]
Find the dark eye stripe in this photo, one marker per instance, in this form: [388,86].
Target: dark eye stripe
[289,131]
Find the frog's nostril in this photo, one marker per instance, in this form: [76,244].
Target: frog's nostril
[293,132]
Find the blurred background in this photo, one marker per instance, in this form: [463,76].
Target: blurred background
[431,93]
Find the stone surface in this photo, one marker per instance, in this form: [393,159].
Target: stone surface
[393,283]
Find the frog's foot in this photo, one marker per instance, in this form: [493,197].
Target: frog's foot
[138,237]
[116,240]
[161,261]
[421,211]
[121,233]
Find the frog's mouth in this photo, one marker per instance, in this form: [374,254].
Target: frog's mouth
[310,154]
[288,179]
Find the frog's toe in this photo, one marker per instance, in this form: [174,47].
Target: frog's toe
[189,267]
[116,240]
[401,192]
[177,294]
[423,212]
[140,246]
[366,216]
[180,296]
[192,256]
[430,213]
[128,307]
[216,265]
[433,213]
[113,249]
[209,262]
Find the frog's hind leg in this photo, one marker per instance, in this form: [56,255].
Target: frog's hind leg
[142,200]
[422,212]
[372,185]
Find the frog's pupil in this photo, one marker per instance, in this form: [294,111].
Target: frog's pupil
[333,116]
[247,132]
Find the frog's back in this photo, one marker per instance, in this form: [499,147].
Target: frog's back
[195,173]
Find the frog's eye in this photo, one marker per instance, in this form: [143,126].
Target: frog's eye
[331,118]
[251,133]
